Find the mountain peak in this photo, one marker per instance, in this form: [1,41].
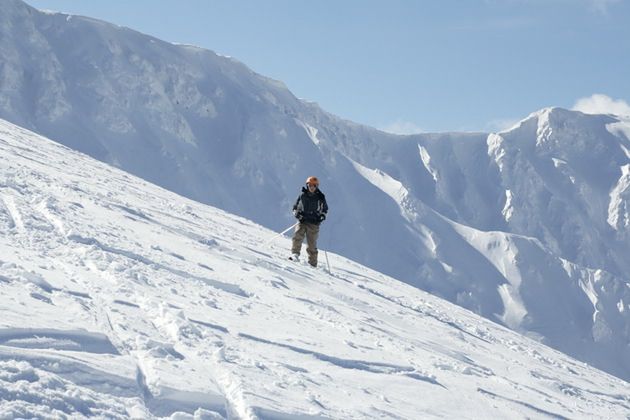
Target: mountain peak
[14,8]
[544,115]
[7,4]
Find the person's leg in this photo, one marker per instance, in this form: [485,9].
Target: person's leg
[298,237]
[312,232]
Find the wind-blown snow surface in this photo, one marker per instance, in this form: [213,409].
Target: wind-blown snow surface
[120,299]
[529,228]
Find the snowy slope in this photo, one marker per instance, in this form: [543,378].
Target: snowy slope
[121,299]
[202,125]
[528,228]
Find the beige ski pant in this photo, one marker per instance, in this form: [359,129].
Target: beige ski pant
[311,231]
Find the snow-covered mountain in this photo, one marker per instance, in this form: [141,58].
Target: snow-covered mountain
[120,299]
[528,227]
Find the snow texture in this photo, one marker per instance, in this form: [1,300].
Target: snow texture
[527,227]
[119,299]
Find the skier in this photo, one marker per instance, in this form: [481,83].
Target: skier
[310,209]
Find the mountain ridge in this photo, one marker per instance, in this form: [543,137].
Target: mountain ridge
[217,132]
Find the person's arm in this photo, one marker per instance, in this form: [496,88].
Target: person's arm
[324,204]
[297,202]
[324,207]
[297,212]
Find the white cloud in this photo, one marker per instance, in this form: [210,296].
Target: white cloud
[402,127]
[601,6]
[602,104]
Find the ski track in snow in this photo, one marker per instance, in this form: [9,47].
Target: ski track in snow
[14,216]
[122,300]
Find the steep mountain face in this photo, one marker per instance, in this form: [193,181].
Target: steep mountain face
[119,299]
[528,227]
[199,124]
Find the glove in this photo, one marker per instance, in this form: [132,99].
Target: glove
[322,217]
[298,215]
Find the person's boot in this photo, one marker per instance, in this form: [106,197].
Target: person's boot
[295,257]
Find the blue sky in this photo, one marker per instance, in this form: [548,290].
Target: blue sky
[405,65]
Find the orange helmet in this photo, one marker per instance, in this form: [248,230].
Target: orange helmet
[312,180]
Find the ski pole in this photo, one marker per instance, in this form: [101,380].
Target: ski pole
[326,253]
[327,262]
[281,233]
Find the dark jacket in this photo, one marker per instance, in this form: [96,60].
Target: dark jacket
[309,207]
